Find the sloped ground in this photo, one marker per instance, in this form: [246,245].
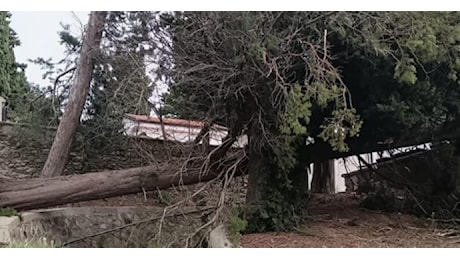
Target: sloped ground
[334,221]
[338,221]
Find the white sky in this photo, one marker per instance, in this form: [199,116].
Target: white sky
[38,29]
[38,33]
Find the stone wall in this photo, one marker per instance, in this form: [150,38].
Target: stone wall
[22,158]
[96,227]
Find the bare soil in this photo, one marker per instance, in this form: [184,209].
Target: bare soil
[337,221]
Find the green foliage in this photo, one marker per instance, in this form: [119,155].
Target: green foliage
[261,70]
[405,72]
[33,244]
[236,226]
[8,212]
[281,207]
[400,70]
[430,187]
[341,125]
[181,103]
[70,42]
[120,84]
[13,84]
[282,186]
[292,123]
[297,114]
[165,197]
[256,51]
[40,115]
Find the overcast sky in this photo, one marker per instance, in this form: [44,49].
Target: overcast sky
[38,33]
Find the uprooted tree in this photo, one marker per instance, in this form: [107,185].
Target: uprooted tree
[280,77]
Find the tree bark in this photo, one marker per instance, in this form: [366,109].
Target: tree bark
[323,180]
[255,169]
[26,194]
[59,152]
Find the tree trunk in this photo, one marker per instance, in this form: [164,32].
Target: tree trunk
[255,169]
[323,180]
[59,152]
[25,194]
[276,195]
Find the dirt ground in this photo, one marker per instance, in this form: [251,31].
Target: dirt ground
[337,221]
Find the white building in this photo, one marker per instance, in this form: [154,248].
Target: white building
[178,130]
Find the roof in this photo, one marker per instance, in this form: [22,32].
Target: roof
[172,121]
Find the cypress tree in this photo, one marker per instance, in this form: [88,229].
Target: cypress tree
[13,84]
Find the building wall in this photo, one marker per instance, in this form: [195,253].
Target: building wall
[351,163]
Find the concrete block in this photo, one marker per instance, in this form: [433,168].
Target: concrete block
[6,225]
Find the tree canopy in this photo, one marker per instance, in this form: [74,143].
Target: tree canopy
[354,81]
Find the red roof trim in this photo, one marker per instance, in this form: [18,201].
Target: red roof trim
[172,121]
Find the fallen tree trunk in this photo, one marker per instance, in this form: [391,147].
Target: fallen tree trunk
[26,194]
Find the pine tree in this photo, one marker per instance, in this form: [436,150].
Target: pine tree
[120,83]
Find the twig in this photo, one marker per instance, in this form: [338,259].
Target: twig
[450,233]
[325,45]
[455,220]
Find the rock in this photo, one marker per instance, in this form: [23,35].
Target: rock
[218,238]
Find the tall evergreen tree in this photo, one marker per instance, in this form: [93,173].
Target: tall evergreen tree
[13,84]
[120,83]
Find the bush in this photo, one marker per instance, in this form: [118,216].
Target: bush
[8,212]
[236,226]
